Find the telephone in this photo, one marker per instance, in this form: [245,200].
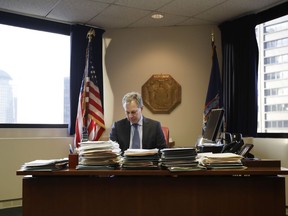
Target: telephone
[245,151]
[234,144]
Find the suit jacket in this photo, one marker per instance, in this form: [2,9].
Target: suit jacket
[152,134]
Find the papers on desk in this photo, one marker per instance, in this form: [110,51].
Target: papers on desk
[99,155]
[140,152]
[45,165]
[179,159]
[88,145]
[140,159]
[221,160]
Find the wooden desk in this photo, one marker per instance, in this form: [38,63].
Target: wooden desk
[255,191]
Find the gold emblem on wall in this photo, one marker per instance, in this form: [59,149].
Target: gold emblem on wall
[161,93]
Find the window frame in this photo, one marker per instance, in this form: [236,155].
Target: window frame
[265,16]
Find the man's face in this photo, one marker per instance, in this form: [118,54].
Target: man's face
[133,113]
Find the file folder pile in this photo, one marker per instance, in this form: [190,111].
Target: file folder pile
[140,159]
[179,159]
[45,165]
[221,161]
[99,155]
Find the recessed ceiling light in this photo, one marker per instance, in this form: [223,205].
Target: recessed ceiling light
[157,16]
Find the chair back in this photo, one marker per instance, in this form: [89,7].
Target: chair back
[166,134]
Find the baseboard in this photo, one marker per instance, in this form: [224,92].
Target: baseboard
[10,203]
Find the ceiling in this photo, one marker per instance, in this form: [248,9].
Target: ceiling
[137,13]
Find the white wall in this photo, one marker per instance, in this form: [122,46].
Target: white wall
[18,146]
[268,148]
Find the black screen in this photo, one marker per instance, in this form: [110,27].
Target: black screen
[213,125]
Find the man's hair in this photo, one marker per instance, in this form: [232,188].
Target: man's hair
[133,96]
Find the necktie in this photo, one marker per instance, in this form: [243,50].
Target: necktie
[136,138]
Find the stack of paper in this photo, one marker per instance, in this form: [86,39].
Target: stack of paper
[179,159]
[45,165]
[140,159]
[221,160]
[99,155]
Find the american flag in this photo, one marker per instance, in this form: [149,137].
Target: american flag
[213,98]
[90,117]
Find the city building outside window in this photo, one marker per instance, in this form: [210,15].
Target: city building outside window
[272,40]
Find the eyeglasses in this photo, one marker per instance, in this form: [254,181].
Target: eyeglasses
[133,112]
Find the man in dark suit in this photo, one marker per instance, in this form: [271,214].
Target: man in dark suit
[150,131]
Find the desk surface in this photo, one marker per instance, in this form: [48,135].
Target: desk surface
[216,172]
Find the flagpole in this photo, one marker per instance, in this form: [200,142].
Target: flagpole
[212,40]
[85,135]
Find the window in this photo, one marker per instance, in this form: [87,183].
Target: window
[276,43]
[272,37]
[34,76]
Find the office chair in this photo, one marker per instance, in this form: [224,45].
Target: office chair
[166,134]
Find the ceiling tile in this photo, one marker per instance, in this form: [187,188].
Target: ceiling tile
[29,7]
[233,9]
[143,4]
[76,11]
[253,5]
[118,17]
[195,21]
[105,1]
[188,7]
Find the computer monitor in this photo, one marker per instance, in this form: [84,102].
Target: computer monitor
[213,125]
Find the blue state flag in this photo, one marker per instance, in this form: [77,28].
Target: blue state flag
[213,97]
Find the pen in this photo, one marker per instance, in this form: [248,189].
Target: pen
[71,149]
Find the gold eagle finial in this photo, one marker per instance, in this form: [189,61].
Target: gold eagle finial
[90,34]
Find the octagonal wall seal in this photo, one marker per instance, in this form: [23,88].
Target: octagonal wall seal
[161,94]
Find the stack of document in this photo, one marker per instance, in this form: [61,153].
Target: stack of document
[140,159]
[221,160]
[179,159]
[45,165]
[99,155]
